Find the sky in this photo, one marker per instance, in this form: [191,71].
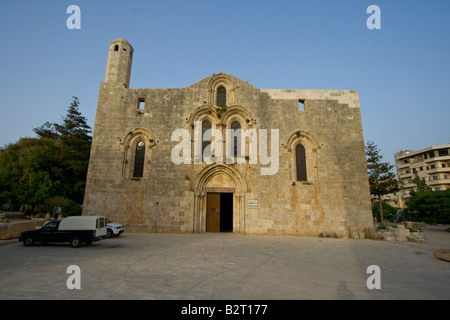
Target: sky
[401,71]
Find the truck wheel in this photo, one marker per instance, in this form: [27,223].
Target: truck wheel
[75,242]
[28,242]
[109,233]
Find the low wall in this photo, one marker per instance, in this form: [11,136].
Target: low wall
[12,230]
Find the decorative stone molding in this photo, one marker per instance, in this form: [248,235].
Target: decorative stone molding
[130,142]
[221,79]
[311,148]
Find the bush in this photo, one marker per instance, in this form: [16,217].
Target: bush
[387,210]
[431,207]
[71,209]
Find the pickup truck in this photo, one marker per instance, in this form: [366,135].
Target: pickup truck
[74,230]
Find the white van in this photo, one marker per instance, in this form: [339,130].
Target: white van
[97,223]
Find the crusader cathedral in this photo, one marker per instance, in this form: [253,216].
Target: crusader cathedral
[306,175]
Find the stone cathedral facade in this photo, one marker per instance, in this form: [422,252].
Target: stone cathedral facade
[224,156]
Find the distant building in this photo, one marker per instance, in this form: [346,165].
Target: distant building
[431,163]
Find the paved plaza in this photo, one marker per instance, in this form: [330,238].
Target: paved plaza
[218,266]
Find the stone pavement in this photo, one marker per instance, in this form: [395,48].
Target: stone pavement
[218,266]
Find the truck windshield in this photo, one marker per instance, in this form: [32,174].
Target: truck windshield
[49,226]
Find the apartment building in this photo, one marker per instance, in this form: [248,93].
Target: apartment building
[432,164]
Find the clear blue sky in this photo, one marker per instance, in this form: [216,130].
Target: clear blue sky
[402,72]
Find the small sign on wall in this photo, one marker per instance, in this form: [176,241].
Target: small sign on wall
[252,204]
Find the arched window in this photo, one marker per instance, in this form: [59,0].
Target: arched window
[236,136]
[300,161]
[221,96]
[206,135]
[139,157]
[116,47]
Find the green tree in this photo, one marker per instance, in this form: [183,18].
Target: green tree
[387,209]
[381,178]
[26,171]
[50,169]
[73,143]
[74,126]
[431,205]
[421,185]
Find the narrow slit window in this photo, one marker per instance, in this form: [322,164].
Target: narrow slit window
[206,135]
[236,136]
[139,157]
[301,105]
[141,104]
[300,159]
[221,96]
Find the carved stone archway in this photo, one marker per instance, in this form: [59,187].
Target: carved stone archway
[130,142]
[219,178]
[312,147]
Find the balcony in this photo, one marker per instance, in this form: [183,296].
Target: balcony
[442,158]
[403,165]
[439,170]
[408,185]
[438,182]
[405,175]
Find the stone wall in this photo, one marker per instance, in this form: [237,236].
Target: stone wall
[12,230]
[172,198]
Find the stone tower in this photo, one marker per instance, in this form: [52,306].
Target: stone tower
[120,56]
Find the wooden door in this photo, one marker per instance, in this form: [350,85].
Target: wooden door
[213,212]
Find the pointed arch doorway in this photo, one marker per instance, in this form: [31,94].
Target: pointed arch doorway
[219,192]
[219,212]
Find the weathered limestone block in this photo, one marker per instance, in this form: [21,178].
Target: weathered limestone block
[368,233]
[389,235]
[442,254]
[356,233]
[401,234]
[377,236]
[12,230]
[419,238]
